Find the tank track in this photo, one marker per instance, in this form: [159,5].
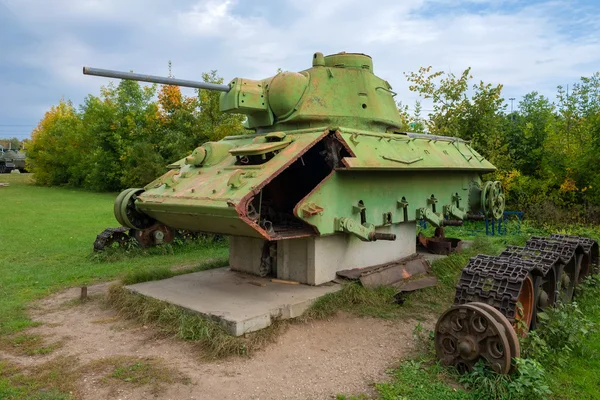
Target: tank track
[498,280]
[140,237]
[111,235]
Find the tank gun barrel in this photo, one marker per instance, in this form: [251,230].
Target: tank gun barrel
[154,79]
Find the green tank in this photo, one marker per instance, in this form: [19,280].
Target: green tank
[327,156]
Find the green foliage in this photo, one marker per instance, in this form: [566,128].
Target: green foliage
[529,382]
[415,380]
[469,111]
[564,330]
[126,136]
[11,143]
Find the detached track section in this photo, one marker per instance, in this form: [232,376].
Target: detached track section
[519,283]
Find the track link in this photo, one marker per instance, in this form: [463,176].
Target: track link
[154,236]
[109,236]
[498,280]
[519,283]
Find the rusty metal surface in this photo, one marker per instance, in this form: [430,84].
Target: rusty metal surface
[465,334]
[416,284]
[513,339]
[389,273]
[440,244]
[516,285]
[148,237]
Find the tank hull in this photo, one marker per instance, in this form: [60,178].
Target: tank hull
[309,182]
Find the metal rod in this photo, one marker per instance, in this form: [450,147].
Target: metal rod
[383,236]
[154,79]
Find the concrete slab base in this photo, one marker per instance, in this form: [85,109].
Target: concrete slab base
[239,302]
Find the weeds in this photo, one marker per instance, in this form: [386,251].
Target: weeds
[562,332]
[357,299]
[27,344]
[136,371]
[52,380]
[529,382]
[169,319]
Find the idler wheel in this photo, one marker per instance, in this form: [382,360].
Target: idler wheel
[117,205]
[525,306]
[486,198]
[127,214]
[466,333]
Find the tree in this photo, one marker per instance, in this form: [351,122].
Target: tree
[55,149]
[478,118]
[11,143]
[526,132]
[213,124]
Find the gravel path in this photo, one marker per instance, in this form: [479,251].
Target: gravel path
[317,360]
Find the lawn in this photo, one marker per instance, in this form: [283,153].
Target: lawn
[46,238]
[46,242]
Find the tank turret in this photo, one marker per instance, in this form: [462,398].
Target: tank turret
[339,90]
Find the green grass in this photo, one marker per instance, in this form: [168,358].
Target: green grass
[52,380]
[414,381]
[578,377]
[27,344]
[46,239]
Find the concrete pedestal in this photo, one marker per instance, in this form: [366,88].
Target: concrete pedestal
[315,260]
[244,302]
[239,302]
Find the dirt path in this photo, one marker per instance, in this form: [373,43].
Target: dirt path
[309,361]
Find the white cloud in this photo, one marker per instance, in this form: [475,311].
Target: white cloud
[525,48]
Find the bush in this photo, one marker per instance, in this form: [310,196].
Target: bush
[562,331]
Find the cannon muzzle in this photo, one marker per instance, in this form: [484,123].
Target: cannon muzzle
[154,79]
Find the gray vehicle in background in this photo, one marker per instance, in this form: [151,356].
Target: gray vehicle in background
[11,159]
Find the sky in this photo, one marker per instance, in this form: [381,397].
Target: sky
[524,45]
